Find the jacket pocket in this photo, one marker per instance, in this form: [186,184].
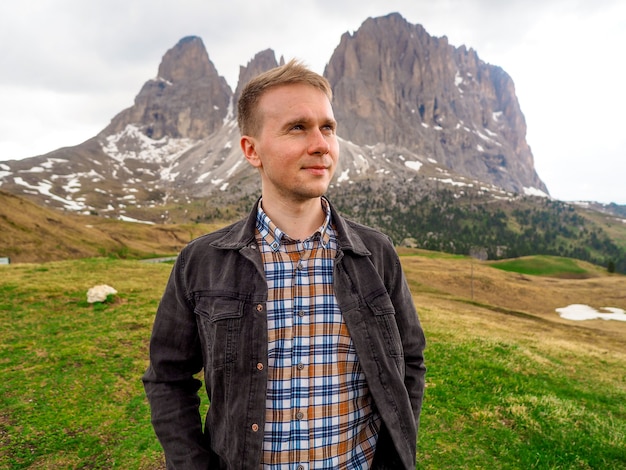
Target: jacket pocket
[385,315]
[219,324]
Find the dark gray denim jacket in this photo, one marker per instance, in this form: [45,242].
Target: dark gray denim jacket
[212,316]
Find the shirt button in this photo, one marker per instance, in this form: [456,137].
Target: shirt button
[300,467]
[259,366]
[300,366]
[299,415]
[255,427]
[301,313]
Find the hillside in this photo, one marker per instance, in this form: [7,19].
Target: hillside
[444,221]
[31,233]
[448,278]
[454,219]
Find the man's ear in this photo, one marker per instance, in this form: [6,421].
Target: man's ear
[248,145]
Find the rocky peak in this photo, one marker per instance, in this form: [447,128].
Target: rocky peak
[188,99]
[393,82]
[261,62]
[187,61]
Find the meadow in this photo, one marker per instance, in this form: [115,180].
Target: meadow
[510,385]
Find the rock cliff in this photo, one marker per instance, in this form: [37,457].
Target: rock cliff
[394,83]
[187,99]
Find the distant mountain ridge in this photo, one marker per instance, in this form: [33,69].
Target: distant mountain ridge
[412,110]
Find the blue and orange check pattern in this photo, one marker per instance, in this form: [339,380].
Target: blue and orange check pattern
[319,410]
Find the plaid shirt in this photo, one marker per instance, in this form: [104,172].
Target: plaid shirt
[319,411]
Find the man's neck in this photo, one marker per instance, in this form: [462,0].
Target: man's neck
[298,220]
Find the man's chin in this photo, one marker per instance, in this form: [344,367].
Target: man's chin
[312,192]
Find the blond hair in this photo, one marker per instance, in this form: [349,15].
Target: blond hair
[292,72]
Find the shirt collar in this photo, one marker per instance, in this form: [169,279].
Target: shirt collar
[274,236]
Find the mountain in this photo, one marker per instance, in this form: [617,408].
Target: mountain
[395,83]
[411,108]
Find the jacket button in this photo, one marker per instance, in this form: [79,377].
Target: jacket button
[259,308]
[255,427]
[259,366]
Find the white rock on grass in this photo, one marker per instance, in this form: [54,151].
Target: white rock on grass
[99,293]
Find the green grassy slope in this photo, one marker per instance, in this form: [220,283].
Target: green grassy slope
[509,383]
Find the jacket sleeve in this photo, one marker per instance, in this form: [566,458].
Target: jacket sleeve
[412,336]
[172,390]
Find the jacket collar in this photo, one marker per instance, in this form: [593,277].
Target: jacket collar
[242,234]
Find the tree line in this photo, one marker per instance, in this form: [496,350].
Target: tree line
[447,221]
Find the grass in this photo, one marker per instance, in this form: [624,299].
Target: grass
[497,404]
[70,391]
[547,266]
[503,391]
[35,234]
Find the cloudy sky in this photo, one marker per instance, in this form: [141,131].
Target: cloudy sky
[68,66]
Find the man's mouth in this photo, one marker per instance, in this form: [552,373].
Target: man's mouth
[317,169]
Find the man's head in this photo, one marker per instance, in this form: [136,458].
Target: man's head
[248,117]
[288,133]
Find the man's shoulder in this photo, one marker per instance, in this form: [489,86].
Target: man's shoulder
[212,238]
[372,238]
[366,230]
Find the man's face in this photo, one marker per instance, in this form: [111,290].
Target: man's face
[296,149]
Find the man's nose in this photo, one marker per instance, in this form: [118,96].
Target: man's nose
[319,143]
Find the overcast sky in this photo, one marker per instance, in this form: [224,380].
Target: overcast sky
[68,66]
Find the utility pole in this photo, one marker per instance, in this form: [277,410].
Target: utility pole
[479,253]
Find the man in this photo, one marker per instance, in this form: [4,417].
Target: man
[302,321]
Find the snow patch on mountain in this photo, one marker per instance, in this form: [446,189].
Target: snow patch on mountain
[344,176]
[44,188]
[125,218]
[534,192]
[415,166]
[123,145]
